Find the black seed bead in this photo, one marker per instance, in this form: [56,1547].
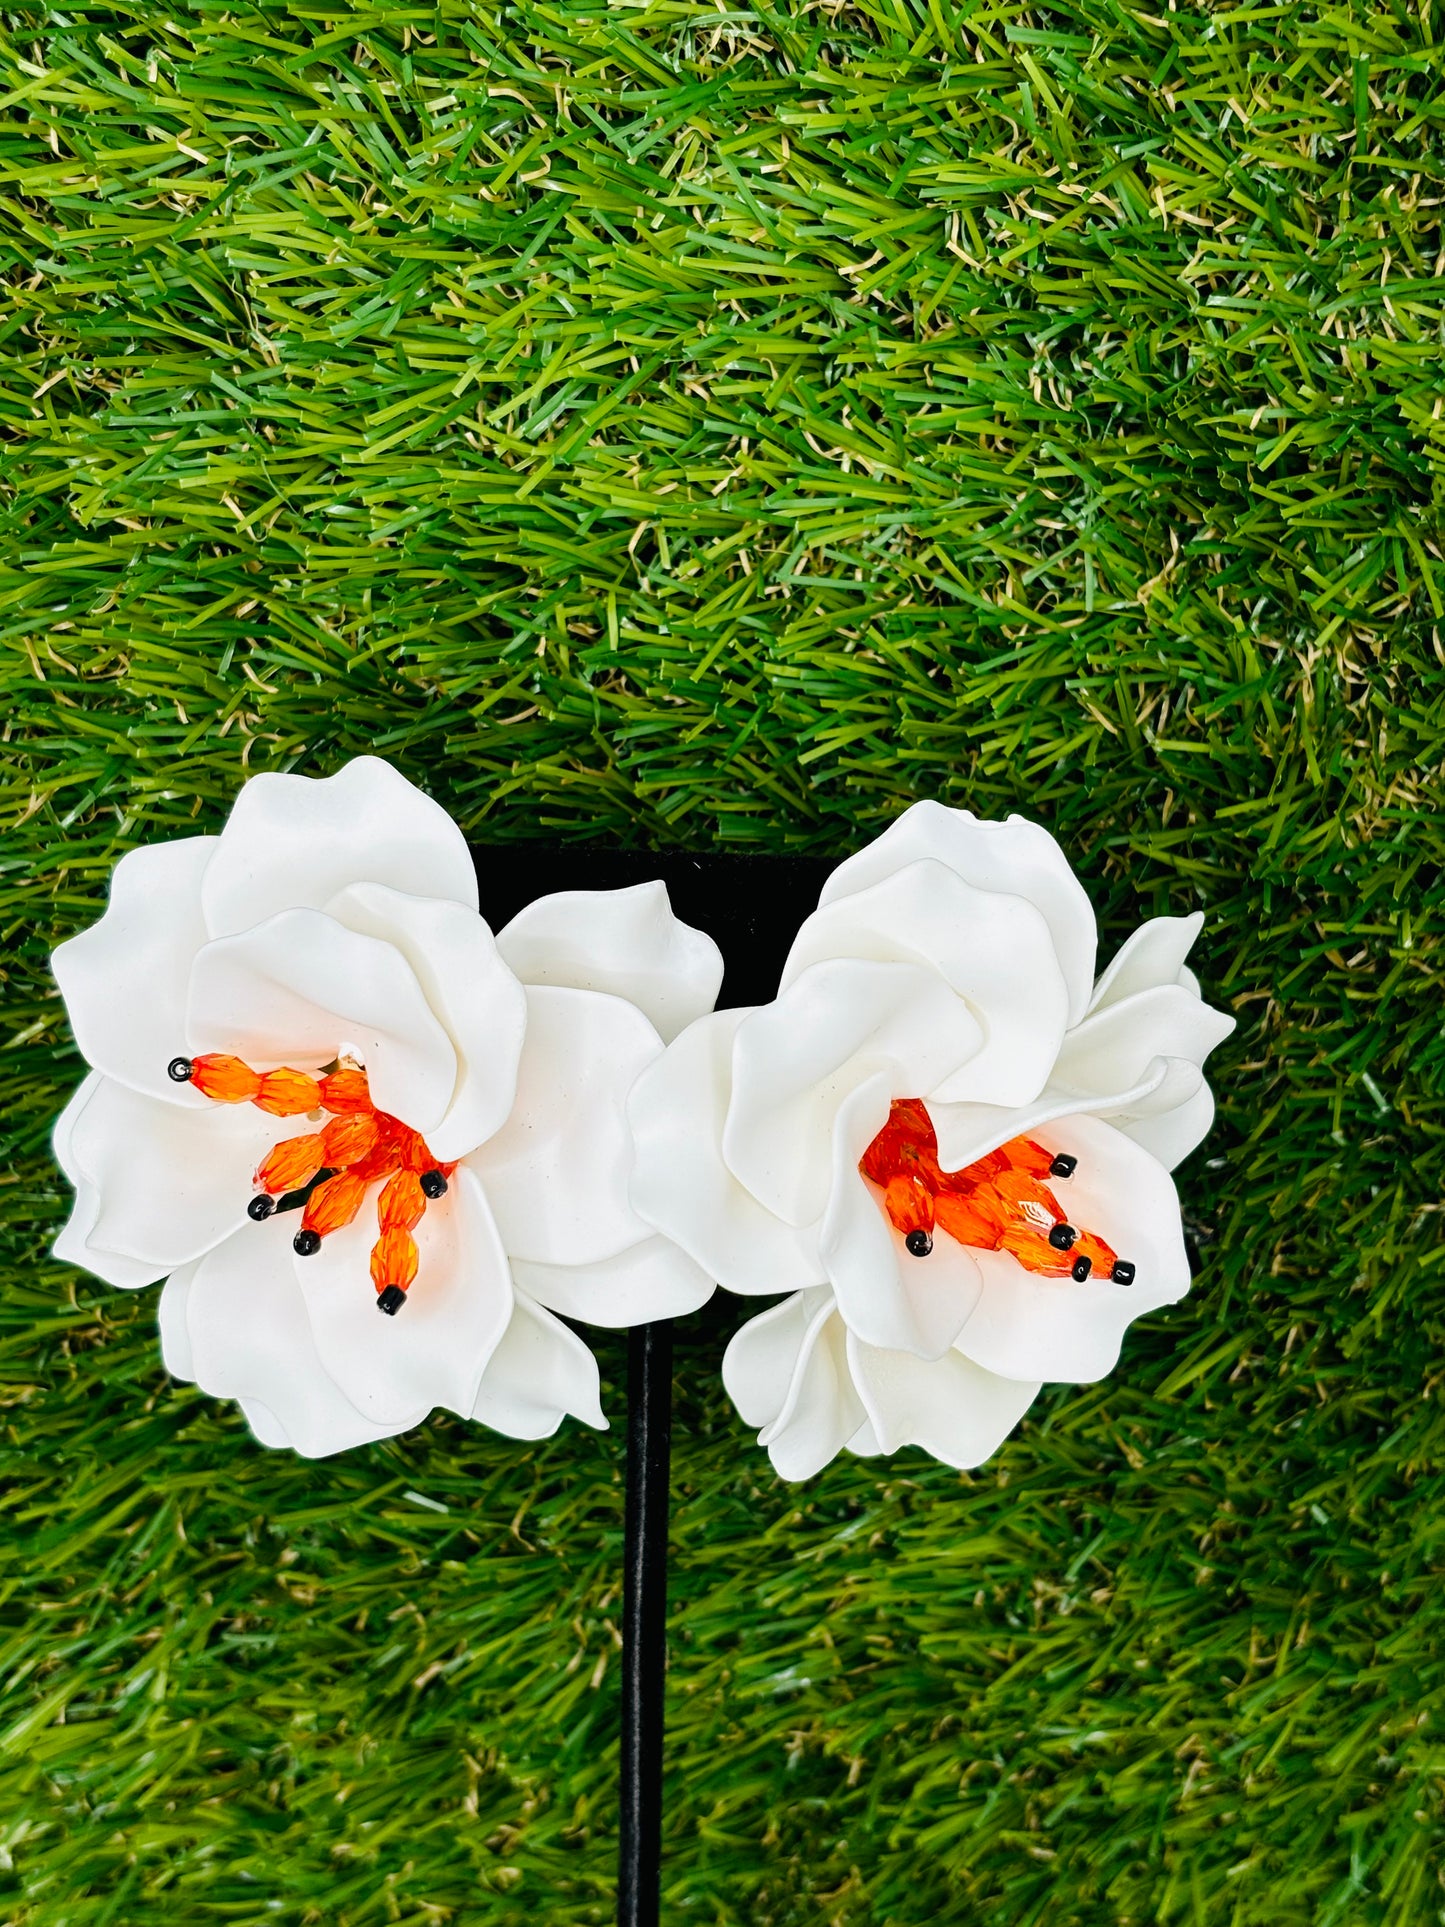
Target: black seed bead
[306,1244]
[433,1184]
[1082,1268]
[919,1243]
[1063,1166]
[1063,1237]
[180,1070]
[391,1300]
[1123,1272]
[260,1207]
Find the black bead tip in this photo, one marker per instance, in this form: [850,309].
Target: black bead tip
[1082,1268]
[260,1207]
[1063,1166]
[1063,1237]
[919,1243]
[433,1184]
[391,1300]
[180,1070]
[1123,1272]
[306,1244]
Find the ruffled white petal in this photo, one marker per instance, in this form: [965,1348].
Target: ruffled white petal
[885,1294]
[1175,1131]
[681,1184]
[124,979]
[950,1406]
[625,942]
[160,1185]
[291,842]
[820,1409]
[1016,857]
[1114,1048]
[435,1349]
[539,1374]
[1061,1329]
[297,988]
[250,1340]
[795,1060]
[1153,954]
[995,950]
[556,1173]
[469,990]
[73,1246]
[652,1279]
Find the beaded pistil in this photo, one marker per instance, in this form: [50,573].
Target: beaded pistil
[326,1174]
[1000,1202]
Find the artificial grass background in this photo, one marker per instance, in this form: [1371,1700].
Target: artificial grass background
[705,423]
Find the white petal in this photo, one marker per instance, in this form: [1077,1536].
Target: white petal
[1154,954]
[1061,1329]
[292,842]
[73,1245]
[1173,1133]
[653,1279]
[885,1294]
[124,979]
[680,1182]
[762,1355]
[966,1131]
[951,1407]
[470,991]
[296,989]
[435,1349]
[787,1371]
[173,1318]
[1017,857]
[795,1060]
[556,1173]
[163,1185]
[993,949]
[1113,1049]
[539,1373]
[250,1340]
[625,942]
[265,1426]
[822,1409]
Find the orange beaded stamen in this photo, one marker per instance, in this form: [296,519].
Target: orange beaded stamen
[325,1174]
[998,1203]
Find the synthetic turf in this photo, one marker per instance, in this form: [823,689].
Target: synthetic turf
[710,425]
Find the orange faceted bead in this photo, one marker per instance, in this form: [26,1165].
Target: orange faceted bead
[394,1260]
[909,1204]
[287,1093]
[291,1163]
[348,1139]
[402,1203]
[345,1090]
[226,1079]
[334,1203]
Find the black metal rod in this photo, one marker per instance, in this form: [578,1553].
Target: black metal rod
[644,1622]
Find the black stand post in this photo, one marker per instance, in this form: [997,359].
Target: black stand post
[644,1622]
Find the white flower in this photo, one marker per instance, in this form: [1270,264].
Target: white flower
[951,961]
[335,923]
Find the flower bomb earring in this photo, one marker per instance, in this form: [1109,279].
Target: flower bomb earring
[944,1138]
[371,1148]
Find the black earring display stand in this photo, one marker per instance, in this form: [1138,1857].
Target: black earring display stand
[751,906]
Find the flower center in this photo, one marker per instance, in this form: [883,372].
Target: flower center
[998,1203]
[325,1174]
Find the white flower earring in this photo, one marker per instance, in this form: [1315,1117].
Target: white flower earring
[943,1138]
[321,1089]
